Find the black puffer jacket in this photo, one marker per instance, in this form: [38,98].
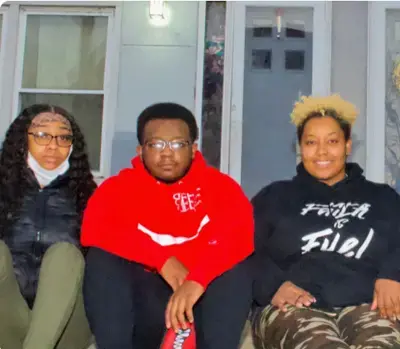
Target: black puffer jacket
[46,216]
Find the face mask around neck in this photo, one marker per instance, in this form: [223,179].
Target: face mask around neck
[43,176]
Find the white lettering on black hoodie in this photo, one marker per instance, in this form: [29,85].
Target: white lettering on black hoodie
[332,241]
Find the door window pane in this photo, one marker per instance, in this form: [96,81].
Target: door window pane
[295,30]
[262,59]
[294,60]
[65,52]
[262,32]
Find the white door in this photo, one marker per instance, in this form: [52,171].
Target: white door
[276,56]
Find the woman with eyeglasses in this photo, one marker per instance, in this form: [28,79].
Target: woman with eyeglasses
[45,183]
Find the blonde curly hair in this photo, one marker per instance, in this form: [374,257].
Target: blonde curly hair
[306,106]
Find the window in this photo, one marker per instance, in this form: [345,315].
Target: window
[3,23]
[392,122]
[262,32]
[295,30]
[294,60]
[261,59]
[63,60]
[1,27]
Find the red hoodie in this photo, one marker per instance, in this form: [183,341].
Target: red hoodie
[204,220]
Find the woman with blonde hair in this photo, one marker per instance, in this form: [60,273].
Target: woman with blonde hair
[327,244]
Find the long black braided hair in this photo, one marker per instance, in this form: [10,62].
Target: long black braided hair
[14,172]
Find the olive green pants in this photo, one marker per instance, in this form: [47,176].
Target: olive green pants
[58,318]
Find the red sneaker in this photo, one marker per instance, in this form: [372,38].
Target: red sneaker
[184,339]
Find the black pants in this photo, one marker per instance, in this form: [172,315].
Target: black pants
[125,305]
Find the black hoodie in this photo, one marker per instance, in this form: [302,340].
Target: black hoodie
[332,241]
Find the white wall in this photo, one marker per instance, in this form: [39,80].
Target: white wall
[157,64]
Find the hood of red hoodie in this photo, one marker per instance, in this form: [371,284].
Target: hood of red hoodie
[177,209]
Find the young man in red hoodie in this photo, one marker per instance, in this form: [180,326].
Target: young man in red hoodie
[169,241]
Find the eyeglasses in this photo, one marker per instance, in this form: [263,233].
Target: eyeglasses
[160,145]
[43,138]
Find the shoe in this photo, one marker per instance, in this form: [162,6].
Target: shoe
[184,339]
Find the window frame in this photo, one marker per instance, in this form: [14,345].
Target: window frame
[376,89]
[4,28]
[110,84]
[4,11]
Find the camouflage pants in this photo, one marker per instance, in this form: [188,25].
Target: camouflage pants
[352,327]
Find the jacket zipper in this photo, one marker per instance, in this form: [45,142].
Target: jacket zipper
[40,206]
